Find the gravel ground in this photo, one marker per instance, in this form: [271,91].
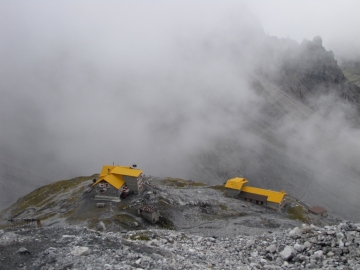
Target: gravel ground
[304,247]
[209,230]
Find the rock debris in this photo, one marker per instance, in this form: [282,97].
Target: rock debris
[311,247]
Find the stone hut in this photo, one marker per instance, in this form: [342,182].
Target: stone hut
[149,212]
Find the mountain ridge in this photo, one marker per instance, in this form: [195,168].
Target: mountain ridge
[201,223]
[72,201]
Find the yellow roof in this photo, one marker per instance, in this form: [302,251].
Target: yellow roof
[273,196]
[122,170]
[235,183]
[106,169]
[115,180]
[128,171]
[113,175]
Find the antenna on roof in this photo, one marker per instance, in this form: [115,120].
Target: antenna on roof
[134,165]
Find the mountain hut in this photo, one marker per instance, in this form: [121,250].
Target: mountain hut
[114,180]
[238,188]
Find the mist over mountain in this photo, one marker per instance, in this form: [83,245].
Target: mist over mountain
[208,97]
[300,133]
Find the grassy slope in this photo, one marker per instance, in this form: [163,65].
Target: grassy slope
[53,200]
[351,70]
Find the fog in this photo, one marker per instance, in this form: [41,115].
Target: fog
[167,86]
[334,21]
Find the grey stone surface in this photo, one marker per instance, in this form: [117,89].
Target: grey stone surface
[81,248]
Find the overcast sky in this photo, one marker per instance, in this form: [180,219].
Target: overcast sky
[335,21]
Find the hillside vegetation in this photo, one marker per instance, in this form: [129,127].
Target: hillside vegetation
[351,70]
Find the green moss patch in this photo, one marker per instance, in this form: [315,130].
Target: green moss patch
[125,219]
[223,207]
[143,236]
[297,212]
[219,187]
[180,183]
[166,223]
[47,216]
[351,70]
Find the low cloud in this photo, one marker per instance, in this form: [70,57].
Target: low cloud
[168,86]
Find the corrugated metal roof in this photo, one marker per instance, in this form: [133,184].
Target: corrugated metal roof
[235,183]
[273,196]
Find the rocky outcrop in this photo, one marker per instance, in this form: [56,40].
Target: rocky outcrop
[305,70]
[330,247]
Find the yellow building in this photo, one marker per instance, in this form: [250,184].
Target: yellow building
[233,186]
[115,177]
[237,187]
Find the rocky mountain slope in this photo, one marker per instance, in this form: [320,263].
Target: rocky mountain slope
[304,70]
[200,229]
[183,204]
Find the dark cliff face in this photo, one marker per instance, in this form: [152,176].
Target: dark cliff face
[306,70]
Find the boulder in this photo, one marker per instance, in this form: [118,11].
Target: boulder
[298,247]
[250,243]
[307,244]
[101,226]
[318,254]
[306,228]
[295,233]
[288,253]
[271,248]
[80,251]
[23,251]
